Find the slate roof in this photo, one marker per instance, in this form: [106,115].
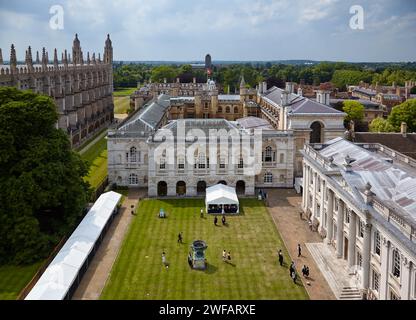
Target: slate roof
[301,105]
[254,123]
[150,117]
[393,183]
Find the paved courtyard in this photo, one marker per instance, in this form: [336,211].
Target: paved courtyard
[94,280]
[284,206]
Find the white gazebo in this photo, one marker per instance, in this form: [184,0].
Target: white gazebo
[222,199]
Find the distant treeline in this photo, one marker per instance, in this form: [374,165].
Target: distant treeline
[229,75]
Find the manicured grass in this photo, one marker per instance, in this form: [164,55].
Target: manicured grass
[124,92]
[252,239]
[14,278]
[97,158]
[121,105]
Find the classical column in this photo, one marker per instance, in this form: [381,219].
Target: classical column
[406,279]
[385,261]
[340,230]
[329,218]
[306,191]
[366,255]
[322,205]
[314,195]
[352,237]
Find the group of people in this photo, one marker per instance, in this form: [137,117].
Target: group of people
[292,268]
[223,220]
[226,257]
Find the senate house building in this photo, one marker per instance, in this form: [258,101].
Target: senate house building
[287,120]
[82,87]
[362,199]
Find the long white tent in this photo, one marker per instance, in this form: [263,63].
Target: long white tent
[221,196]
[65,269]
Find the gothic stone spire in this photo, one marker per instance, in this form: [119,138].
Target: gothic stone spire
[13,60]
[55,58]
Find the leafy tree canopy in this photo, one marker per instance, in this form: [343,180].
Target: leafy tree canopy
[354,110]
[405,112]
[381,125]
[42,192]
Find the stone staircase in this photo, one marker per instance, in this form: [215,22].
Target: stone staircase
[334,271]
[350,293]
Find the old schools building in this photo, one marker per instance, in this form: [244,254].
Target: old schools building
[288,121]
[82,89]
[362,199]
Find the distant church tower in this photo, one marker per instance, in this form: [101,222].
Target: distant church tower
[208,62]
[76,51]
[108,51]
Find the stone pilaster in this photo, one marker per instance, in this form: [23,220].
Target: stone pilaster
[366,256]
[352,238]
[385,262]
[340,229]
[330,217]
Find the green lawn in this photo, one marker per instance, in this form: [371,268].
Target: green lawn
[121,105]
[124,92]
[252,239]
[14,278]
[97,157]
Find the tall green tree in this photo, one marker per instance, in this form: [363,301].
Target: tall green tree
[164,72]
[381,125]
[354,110]
[42,192]
[405,112]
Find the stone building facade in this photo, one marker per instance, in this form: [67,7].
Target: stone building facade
[362,199]
[82,88]
[312,121]
[286,126]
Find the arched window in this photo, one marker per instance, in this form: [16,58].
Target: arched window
[133,179]
[228,110]
[235,109]
[219,109]
[133,155]
[268,177]
[269,155]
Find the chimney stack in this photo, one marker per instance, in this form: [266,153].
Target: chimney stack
[264,86]
[285,98]
[1,57]
[300,91]
[404,129]
[290,87]
[323,97]
[194,80]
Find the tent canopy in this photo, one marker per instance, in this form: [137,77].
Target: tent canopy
[221,195]
[58,278]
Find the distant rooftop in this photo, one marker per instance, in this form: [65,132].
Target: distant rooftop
[301,105]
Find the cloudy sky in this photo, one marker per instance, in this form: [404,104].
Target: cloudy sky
[228,29]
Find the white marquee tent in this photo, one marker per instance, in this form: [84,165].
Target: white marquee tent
[222,199]
[65,270]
